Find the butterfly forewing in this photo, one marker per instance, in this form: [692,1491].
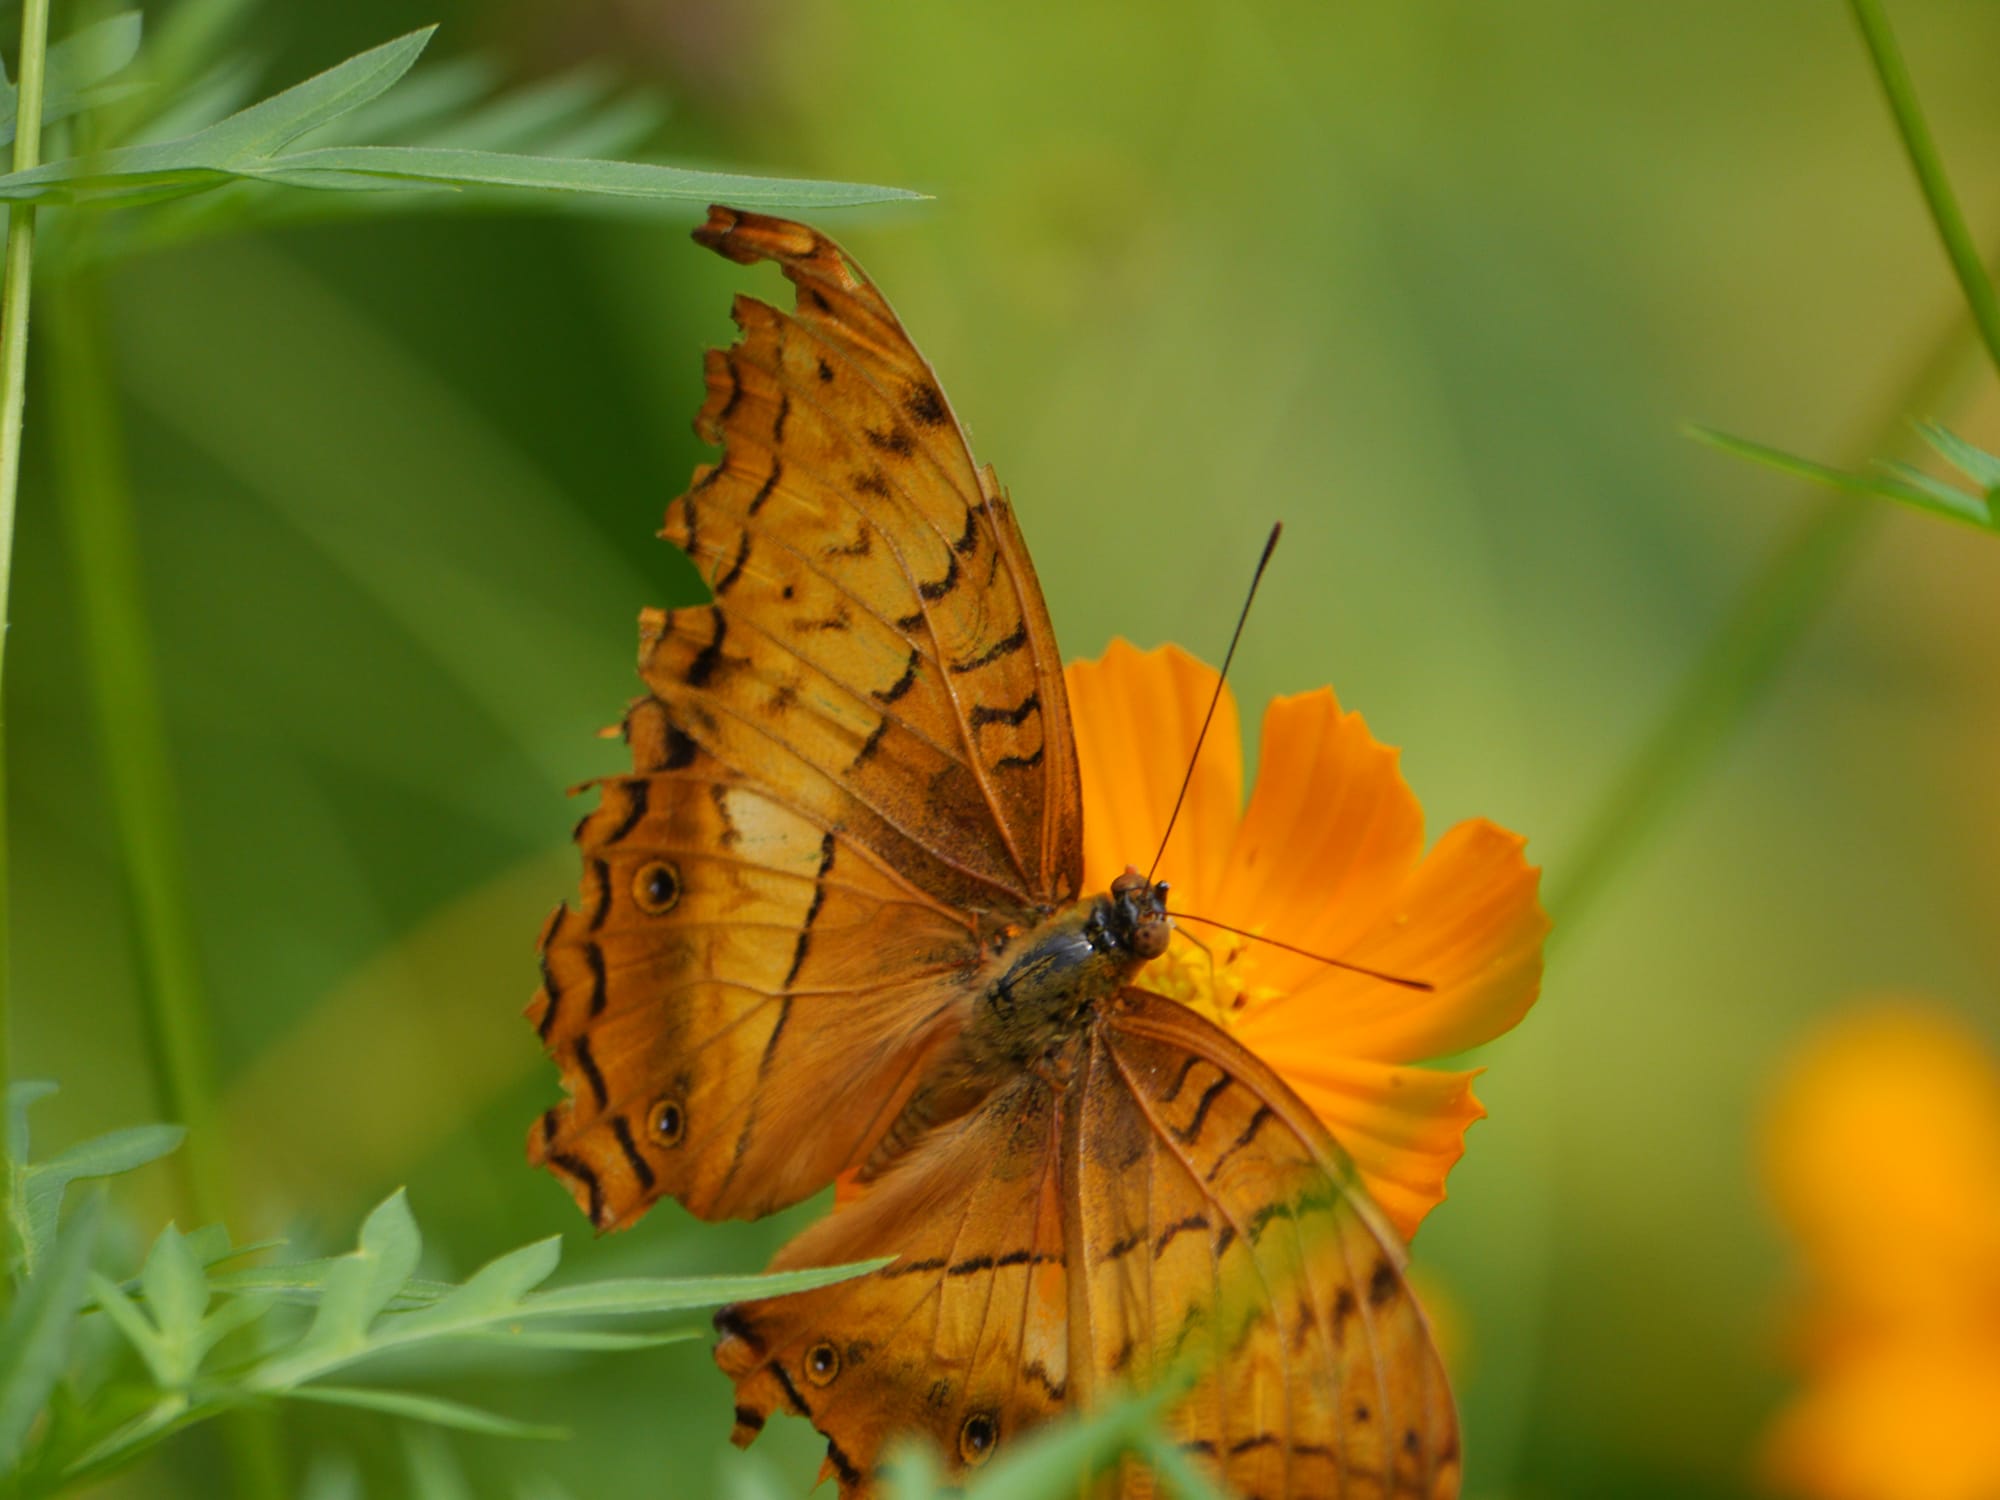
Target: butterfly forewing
[729,954]
[851,767]
[868,575]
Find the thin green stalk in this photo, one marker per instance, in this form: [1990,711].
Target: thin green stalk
[1894,74]
[89,455]
[1731,675]
[14,296]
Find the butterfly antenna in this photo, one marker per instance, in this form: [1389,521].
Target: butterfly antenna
[1270,546]
[1339,963]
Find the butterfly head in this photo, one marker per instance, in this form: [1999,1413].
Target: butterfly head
[1134,917]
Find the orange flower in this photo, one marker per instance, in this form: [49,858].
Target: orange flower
[1883,1157]
[1328,856]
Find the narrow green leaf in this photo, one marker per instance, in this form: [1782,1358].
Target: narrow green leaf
[493,1291]
[20,1097]
[682,1294]
[1963,509]
[35,1340]
[274,123]
[304,1282]
[583,1340]
[1981,467]
[431,1409]
[177,1297]
[360,1285]
[77,66]
[124,1315]
[1947,497]
[1170,1462]
[228,1316]
[162,1417]
[44,1183]
[352,167]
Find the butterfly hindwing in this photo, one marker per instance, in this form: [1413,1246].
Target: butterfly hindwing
[962,1339]
[1223,1217]
[1168,1201]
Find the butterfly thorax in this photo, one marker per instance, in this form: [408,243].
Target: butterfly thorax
[1048,980]
[1036,994]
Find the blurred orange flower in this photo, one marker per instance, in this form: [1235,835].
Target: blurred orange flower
[1883,1157]
[1328,856]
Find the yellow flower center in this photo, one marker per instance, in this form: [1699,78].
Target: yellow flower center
[1210,973]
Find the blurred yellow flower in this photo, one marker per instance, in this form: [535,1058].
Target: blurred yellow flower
[1329,856]
[1883,1157]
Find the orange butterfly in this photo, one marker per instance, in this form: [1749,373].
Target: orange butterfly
[834,925]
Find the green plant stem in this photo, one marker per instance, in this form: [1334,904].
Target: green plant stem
[14,298]
[1729,678]
[117,646]
[1894,75]
[90,463]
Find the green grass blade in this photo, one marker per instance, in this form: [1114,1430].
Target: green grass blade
[1894,74]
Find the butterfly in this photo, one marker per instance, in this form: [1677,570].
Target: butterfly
[833,927]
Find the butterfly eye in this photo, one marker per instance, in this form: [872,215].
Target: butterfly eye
[657,888]
[822,1363]
[977,1437]
[668,1122]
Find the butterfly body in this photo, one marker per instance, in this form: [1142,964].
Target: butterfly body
[833,927]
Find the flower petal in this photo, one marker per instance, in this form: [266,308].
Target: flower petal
[1330,837]
[1137,715]
[1403,1127]
[1883,1155]
[1468,923]
[1910,1419]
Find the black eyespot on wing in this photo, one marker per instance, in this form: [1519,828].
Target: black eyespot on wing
[977,1437]
[666,1121]
[656,887]
[822,1363]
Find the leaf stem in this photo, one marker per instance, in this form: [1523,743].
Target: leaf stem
[1894,75]
[1729,678]
[15,285]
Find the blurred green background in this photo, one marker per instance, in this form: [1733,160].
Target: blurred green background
[1434,284]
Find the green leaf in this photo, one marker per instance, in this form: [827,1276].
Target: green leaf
[359,1286]
[493,1291]
[124,1315]
[20,1096]
[276,122]
[1170,1463]
[43,1184]
[419,1408]
[1981,467]
[685,1293]
[35,1340]
[177,1297]
[407,167]
[584,1340]
[1937,500]
[76,67]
